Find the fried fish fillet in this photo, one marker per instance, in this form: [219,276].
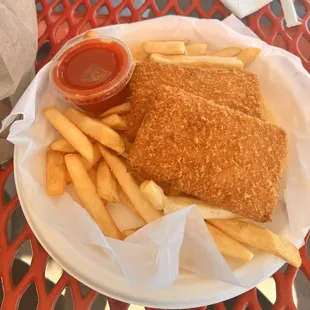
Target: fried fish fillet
[220,155]
[236,89]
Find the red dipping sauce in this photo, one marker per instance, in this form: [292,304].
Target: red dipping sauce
[92,72]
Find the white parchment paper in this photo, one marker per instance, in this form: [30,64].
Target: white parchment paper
[153,256]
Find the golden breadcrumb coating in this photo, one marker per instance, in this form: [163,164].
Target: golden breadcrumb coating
[222,156]
[236,89]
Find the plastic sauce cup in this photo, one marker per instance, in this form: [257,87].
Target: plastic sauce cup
[92,72]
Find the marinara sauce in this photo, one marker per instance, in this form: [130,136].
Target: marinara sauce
[93,72]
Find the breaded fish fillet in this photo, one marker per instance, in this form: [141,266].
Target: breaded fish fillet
[233,88]
[220,155]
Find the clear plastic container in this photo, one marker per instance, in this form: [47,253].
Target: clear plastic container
[92,72]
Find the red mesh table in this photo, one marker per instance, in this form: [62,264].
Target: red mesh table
[59,21]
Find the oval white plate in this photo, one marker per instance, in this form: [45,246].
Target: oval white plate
[189,290]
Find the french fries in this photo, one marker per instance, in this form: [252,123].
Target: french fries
[62,145]
[92,140]
[106,183]
[227,52]
[115,122]
[199,61]
[125,200]
[260,238]
[97,130]
[174,204]
[70,132]
[97,155]
[120,109]
[196,49]
[68,178]
[247,55]
[169,204]
[87,165]
[164,47]
[55,173]
[154,194]
[139,54]
[228,246]
[130,187]
[89,197]
[92,174]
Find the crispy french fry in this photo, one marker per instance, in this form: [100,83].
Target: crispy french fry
[139,54]
[97,155]
[154,194]
[120,109]
[125,200]
[88,165]
[260,238]
[129,232]
[115,122]
[70,132]
[196,49]
[55,173]
[207,212]
[130,187]
[89,197]
[227,52]
[92,174]
[62,145]
[228,246]
[169,204]
[247,55]
[68,178]
[164,47]
[96,129]
[199,61]
[106,183]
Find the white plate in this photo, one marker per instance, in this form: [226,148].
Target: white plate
[189,290]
